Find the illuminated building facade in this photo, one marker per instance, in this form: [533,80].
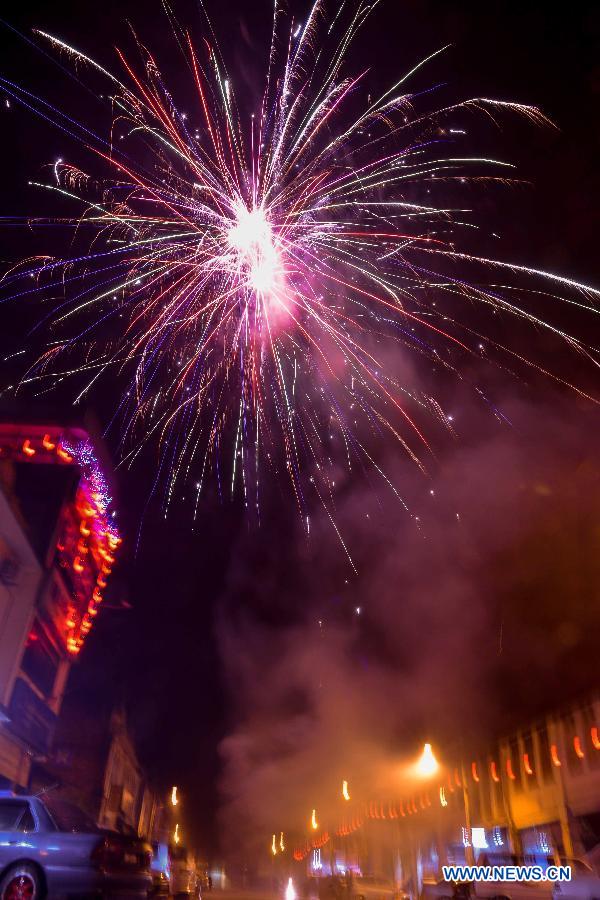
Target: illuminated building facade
[534,793]
[58,541]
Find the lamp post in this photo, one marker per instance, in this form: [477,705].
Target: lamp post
[425,768]
[469,856]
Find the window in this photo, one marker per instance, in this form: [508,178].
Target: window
[40,660]
[15,815]
[68,817]
[26,822]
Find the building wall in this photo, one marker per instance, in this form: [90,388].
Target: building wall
[128,803]
[20,578]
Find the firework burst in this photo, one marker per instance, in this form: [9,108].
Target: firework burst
[251,276]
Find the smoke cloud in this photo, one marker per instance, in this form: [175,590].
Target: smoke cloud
[472,611]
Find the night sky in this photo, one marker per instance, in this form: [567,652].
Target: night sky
[483,622]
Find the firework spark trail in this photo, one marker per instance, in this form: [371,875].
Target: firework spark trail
[261,264]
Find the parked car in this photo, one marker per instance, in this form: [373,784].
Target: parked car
[438,890]
[183,873]
[371,887]
[584,883]
[513,890]
[50,848]
[161,870]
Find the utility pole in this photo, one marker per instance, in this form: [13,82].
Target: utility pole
[469,858]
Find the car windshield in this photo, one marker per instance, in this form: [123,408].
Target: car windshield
[68,817]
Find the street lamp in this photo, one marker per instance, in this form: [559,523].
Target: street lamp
[313,820]
[427,764]
[174,798]
[345,791]
[281,842]
[176,834]
[274,846]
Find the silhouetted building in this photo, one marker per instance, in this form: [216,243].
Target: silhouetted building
[95,765]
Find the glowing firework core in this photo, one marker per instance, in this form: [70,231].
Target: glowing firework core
[258,257]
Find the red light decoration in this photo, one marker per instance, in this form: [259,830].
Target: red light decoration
[87,537]
[554,756]
[595,737]
[527,764]
[578,748]
[62,454]
[494,772]
[474,772]
[509,769]
[457,780]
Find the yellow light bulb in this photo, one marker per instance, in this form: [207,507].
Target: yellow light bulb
[427,764]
